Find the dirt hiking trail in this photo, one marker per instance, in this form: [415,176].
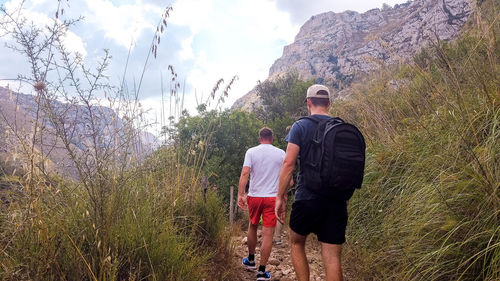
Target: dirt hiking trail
[280,263]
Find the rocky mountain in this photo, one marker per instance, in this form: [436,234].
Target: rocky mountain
[335,48]
[18,121]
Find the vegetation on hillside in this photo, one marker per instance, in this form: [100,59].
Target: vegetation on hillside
[120,218]
[430,205]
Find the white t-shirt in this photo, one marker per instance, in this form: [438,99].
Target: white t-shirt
[264,162]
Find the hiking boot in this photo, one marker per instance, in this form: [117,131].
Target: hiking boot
[248,264]
[263,276]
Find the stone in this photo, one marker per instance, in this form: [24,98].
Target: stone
[274,262]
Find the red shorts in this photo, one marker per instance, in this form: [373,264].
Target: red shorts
[264,206]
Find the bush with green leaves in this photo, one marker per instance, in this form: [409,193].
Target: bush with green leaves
[223,149]
[283,96]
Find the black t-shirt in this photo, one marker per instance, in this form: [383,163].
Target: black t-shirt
[301,133]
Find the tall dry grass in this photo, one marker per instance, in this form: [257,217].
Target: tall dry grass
[119,218]
[430,205]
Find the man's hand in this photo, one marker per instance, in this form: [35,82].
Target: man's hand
[280,209]
[242,201]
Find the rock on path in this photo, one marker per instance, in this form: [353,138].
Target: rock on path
[280,264]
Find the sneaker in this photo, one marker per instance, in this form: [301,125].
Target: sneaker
[248,264]
[263,276]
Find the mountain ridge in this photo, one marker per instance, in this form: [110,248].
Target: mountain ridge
[18,115]
[335,48]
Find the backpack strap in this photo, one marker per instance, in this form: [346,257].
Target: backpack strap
[313,118]
[317,119]
[338,119]
[321,124]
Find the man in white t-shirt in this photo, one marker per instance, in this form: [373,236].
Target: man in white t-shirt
[262,163]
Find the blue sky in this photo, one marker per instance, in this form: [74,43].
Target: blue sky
[205,39]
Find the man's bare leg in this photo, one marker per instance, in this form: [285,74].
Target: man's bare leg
[331,259]
[299,258]
[252,238]
[267,244]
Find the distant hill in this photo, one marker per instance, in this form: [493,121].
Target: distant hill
[335,48]
[18,113]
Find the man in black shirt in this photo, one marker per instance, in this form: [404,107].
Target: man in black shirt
[310,211]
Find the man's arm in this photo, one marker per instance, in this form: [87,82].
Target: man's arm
[245,172]
[292,152]
[285,196]
[285,181]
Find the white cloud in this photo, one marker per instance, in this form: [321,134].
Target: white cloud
[240,38]
[71,41]
[74,44]
[186,53]
[264,22]
[196,14]
[38,19]
[153,116]
[38,2]
[123,23]
[258,17]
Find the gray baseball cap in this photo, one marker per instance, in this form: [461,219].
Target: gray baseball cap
[318,91]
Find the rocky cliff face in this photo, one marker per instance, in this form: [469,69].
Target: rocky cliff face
[333,48]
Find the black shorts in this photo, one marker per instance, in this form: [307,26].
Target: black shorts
[327,220]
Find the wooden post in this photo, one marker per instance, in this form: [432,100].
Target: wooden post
[204,187]
[236,208]
[231,209]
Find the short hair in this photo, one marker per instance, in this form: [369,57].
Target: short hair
[266,133]
[319,102]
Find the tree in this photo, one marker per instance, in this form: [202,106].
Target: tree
[282,97]
[222,138]
[283,102]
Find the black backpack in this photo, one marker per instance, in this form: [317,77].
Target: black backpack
[335,163]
